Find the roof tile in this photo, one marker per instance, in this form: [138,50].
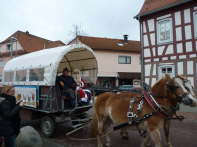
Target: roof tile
[32,43]
[150,5]
[97,43]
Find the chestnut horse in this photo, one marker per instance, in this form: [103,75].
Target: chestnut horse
[168,93]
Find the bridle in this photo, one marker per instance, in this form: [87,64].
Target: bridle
[172,88]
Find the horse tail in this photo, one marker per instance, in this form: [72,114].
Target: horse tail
[94,121]
[98,111]
[94,125]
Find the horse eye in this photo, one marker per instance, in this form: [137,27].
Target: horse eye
[187,88]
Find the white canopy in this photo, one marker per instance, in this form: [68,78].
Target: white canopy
[53,60]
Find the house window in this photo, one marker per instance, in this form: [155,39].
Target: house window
[195,23]
[166,69]
[164,30]
[124,59]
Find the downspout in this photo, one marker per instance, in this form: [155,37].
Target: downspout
[142,53]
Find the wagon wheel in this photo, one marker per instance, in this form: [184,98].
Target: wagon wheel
[48,126]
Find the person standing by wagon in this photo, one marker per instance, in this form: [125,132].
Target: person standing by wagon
[9,116]
[67,85]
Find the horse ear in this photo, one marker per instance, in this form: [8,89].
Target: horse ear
[182,77]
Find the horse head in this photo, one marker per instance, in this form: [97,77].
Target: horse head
[182,90]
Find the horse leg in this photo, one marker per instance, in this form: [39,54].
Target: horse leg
[167,132]
[124,134]
[100,133]
[156,137]
[146,141]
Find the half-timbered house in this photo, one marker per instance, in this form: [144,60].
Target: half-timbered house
[168,39]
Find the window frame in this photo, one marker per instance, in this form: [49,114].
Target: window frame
[159,41]
[18,78]
[126,59]
[36,75]
[166,66]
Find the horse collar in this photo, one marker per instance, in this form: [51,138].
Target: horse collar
[155,105]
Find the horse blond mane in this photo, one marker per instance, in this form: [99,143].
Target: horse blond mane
[160,89]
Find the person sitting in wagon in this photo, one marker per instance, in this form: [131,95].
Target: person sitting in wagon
[67,86]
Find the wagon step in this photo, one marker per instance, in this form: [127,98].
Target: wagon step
[76,128]
[79,110]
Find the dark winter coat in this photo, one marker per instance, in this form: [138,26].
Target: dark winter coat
[9,116]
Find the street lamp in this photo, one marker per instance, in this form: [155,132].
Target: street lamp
[12,40]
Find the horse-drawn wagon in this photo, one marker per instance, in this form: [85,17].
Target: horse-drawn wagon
[34,77]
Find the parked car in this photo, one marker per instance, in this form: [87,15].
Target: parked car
[125,87]
[130,88]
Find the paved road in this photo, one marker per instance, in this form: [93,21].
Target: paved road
[183,134]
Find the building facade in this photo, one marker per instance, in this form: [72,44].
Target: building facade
[118,59]
[21,43]
[168,39]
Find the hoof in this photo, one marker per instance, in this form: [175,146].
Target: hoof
[125,137]
[107,145]
[169,145]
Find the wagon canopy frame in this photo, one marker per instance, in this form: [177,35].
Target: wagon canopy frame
[51,61]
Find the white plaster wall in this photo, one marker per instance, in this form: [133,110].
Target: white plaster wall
[151,25]
[170,50]
[188,33]
[190,67]
[178,34]
[179,48]
[188,46]
[146,41]
[147,69]
[187,17]
[180,68]
[152,37]
[108,63]
[144,27]
[154,69]
[147,80]
[160,50]
[177,18]
[147,52]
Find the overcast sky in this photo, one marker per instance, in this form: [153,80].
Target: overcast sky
[55,19]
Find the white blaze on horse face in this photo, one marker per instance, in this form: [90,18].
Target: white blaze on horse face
[180,84]
[191,89]
[187,88]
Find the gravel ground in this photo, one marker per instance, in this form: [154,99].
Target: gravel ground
[183,134]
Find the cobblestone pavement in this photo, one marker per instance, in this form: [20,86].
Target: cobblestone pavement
[183,134]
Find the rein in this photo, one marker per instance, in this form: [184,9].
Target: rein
[148,97]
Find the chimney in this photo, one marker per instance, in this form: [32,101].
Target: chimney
[125,38]
[27,32]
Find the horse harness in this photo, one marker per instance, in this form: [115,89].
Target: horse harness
[133,118]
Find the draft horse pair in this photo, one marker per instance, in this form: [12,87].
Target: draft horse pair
[154,109]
